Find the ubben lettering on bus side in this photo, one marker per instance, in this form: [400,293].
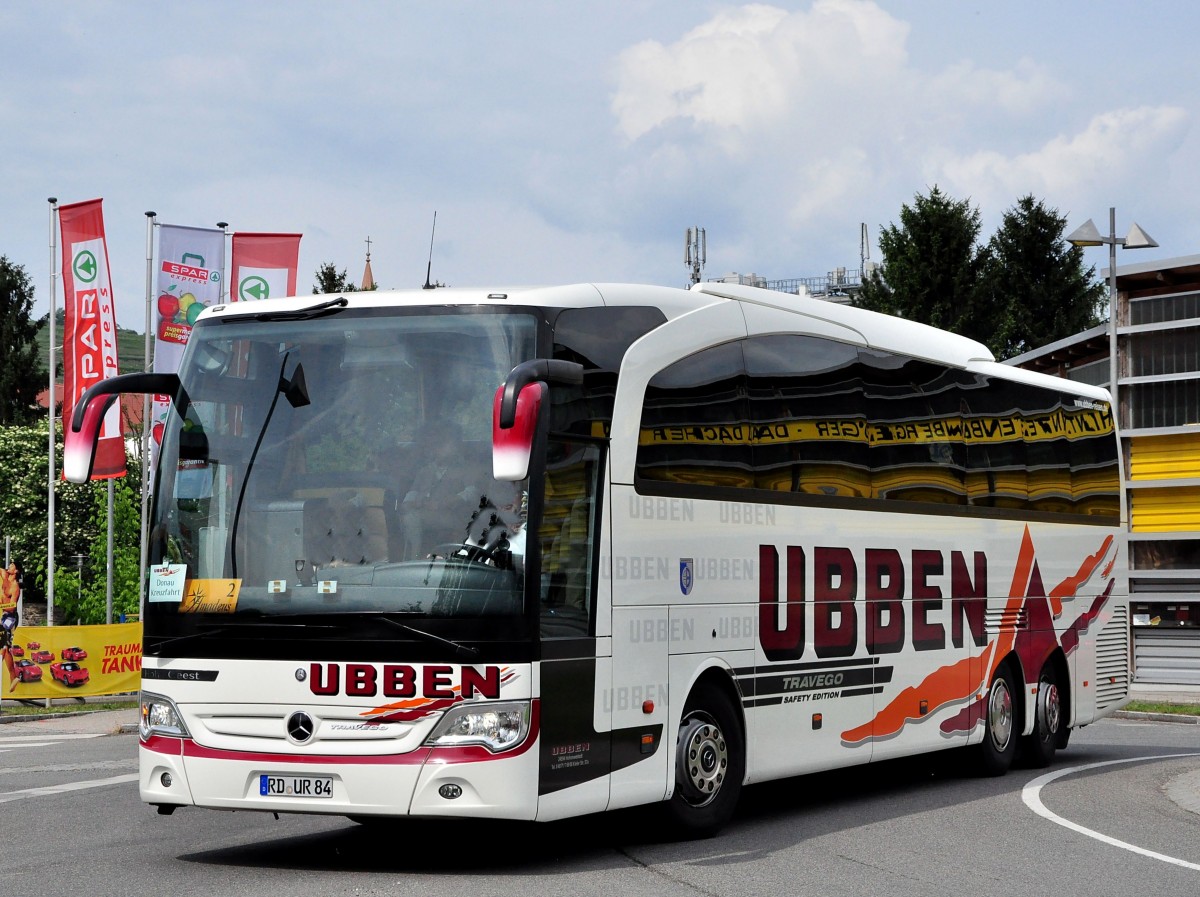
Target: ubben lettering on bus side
[878,618]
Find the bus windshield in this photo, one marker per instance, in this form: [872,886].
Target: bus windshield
[339,465]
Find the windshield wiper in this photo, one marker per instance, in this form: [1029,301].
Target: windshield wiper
[278,624]
[429,636]
[211,630]
[296,392]
[303,314]
[241,624]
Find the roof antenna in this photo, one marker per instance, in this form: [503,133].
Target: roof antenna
[429,266]
[695,253]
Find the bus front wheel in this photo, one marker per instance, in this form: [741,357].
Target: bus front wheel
[710,764]
[1001,724]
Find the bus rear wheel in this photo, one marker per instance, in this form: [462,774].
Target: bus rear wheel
[1037,749]
[1000,724]
[710,764]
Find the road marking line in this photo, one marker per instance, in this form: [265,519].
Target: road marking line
[24,740]
[66,787]
[1031,794]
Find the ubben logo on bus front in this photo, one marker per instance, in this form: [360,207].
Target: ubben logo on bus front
[418,690]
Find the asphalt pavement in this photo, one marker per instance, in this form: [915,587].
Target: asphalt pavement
[120,722]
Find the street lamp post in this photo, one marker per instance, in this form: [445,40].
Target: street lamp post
[1088,235]
[79,559]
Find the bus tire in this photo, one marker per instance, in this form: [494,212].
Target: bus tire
[1064,738]
[1000,724]
[710,764]
[1037,748]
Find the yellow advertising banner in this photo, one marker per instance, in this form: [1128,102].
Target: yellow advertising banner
[72,661]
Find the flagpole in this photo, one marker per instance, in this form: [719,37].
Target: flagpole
[146,422]
[224,225]
[50,402]
[108,583]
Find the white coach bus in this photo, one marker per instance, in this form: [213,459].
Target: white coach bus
[536,553]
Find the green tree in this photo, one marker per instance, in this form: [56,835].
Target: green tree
[1037,281]
[330,281]
[21,373]
[931,266]
[87,602]
[24,470]
[1024,288]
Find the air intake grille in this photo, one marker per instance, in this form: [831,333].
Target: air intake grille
[1112,660]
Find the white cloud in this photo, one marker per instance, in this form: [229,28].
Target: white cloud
[795,126]
[754,67]
[1019,91]
[1112,146]
[559,146]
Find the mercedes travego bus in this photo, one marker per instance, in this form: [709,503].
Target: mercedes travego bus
[535,553]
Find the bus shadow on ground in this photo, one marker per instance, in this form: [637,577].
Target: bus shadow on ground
[773,816]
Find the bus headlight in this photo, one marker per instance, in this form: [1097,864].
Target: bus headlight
[160,717]
[497,726]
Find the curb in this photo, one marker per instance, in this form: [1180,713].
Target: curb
[39,717]
[1157,717]
[121,729]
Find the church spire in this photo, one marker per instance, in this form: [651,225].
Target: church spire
[368,280]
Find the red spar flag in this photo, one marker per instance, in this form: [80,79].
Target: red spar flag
[264,266]
[90,334]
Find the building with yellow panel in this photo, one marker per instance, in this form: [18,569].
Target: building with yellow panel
[1158,402]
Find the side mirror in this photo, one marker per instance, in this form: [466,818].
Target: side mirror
[82,432]
[512,446]
[516,409]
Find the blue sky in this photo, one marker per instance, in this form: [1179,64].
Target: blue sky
[563,143]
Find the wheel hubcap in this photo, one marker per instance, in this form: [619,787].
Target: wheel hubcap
[702,760]
[1050,708]
[1000,714]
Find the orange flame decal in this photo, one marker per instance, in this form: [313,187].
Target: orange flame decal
[414,708]
[1070,585]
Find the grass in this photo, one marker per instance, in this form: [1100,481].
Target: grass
[37,706]
[1162,707]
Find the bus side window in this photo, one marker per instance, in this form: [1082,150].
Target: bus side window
[917,451]
[807,415]
[695,422]
[566,536]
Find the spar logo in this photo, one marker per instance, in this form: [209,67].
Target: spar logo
[254,288]
[84,266]
[196,273]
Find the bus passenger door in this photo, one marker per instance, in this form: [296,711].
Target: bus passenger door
[575,673]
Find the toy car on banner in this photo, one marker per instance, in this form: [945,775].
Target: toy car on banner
[74,653]
[69,673]
[17,651]
[42,656]
[28,671]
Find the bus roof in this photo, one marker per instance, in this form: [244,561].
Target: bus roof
[876,330]
[671,300]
